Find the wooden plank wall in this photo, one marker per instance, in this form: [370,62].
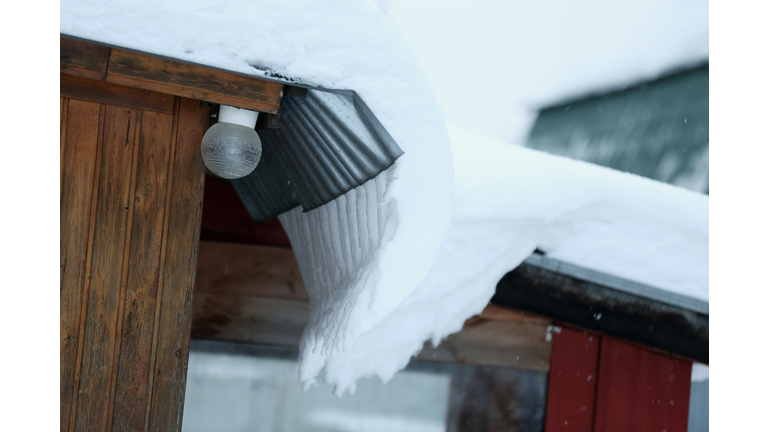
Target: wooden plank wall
[599,383]
[254,294]
[131,204]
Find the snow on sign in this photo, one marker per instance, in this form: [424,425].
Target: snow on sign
[394,262]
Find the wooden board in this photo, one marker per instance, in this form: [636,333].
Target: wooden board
[79,169]
[495,343]
[639,390]
[249,319]
[131,201]
[174,319]
[83,59]
[63,121]
[501,313]
[149,201]
[113,189]
[108,93]
[171,77]
[191,81]
[572,381]
[254,294]
[226,268]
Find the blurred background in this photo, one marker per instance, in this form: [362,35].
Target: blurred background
[623,84]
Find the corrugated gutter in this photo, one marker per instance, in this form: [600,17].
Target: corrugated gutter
[328,142]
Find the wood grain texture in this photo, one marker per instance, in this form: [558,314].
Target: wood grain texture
[63,120]
[131,204]
[116,351]
[495,343]
[237,269]
[79,168]
[494,312]
[106,267]
[84,59]
[572,382]
[172,343]
[639,390]
[254,294]
[132,388]
[108,93]
[191,81]
[249,319]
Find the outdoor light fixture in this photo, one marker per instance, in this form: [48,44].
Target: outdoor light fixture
[231,148]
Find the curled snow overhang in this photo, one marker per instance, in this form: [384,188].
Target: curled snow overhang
[327,143]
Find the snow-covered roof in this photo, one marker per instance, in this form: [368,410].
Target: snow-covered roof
[605,220]
[394,262]
[530,54]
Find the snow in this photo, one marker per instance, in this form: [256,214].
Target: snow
[509,201]
[594,217]
[699,372]
[396,261]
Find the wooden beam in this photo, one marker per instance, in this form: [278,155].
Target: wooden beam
[99,62]
[495,343]
[194,82]
[83,59]
[254,294]
[255,271]
[103,92]
[249,319]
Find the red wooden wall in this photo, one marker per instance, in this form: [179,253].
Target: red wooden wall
[599,384]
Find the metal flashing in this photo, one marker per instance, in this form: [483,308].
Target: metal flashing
[327,144]
[625,285]
[613,306]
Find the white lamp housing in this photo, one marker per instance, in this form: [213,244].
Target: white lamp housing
[231,148]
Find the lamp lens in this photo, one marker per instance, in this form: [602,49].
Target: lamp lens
[231,151]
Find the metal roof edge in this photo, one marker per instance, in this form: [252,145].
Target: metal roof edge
[591,301]
[620,284]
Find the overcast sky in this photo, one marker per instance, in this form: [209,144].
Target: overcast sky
[492,63]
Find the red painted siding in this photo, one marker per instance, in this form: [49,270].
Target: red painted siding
[601,384]
[639,390]
[572,381]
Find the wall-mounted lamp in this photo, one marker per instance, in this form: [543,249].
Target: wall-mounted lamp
[231,148]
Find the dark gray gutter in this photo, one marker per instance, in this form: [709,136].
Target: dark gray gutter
[609,305]
[328,142]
